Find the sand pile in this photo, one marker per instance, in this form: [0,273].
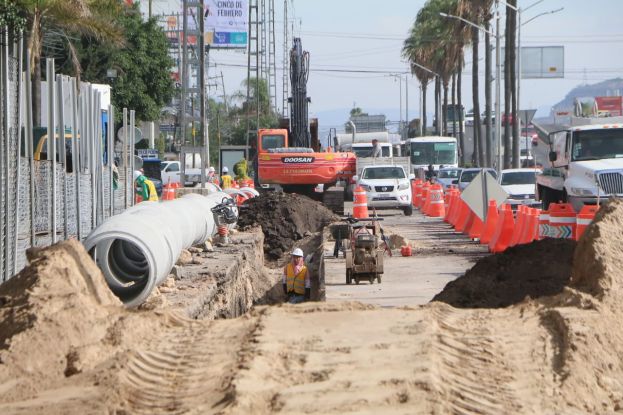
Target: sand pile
[285,218]
[538,269]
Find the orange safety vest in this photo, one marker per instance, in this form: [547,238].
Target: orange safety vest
[296,282]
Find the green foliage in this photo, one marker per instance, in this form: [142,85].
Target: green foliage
[143,65]
[12,16]
[160,145]
[356,111]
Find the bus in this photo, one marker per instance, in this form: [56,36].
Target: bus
[438,151]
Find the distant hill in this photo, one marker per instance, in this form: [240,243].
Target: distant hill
[601,89]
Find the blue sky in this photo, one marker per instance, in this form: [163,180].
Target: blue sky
[368,35]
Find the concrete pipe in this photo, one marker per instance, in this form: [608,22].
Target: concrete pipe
[137,249]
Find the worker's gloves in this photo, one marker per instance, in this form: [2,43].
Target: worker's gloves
[307,293]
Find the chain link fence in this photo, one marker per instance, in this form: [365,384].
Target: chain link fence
[59,188]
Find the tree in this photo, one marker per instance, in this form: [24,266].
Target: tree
[143,65]
[93,18]
[356,111]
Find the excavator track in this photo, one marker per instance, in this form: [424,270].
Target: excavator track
[333,199]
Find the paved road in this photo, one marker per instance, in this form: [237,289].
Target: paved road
[441,256]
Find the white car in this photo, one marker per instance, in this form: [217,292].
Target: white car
[520,184]
[387,187]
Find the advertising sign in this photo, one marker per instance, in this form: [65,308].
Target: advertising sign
[226,23]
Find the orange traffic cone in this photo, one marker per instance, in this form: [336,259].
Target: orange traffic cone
[414,188]
[519,226]
[504,230]
[491,222]
[436,207]
[463,217]
[168,192]
[360,203]
[424,198]
[477,228]
[451,205]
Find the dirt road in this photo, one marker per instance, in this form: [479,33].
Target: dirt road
[440,256]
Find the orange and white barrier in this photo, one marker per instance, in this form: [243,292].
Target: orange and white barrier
[584,218]
[360,203]
[562,220]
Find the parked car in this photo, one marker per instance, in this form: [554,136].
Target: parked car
[447,176]
[520,184]
[387,187]
[467,175]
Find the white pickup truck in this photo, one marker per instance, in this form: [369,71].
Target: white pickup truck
[387,186]
[586,165]
[171,172]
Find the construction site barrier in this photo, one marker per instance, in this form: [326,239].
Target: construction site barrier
[562,220]
[436,207]
[137,249]
[503,231]
[490,223]
[425,202]
[544,231]
[414,191]
[584,218]
[360,203]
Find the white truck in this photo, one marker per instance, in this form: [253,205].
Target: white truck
[361,143]
[171,172]
[586,163]
[433,150]
[387,186]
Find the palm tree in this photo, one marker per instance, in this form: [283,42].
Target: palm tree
[83,17]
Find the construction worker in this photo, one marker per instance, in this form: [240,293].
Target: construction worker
[296,280]
[226,179]
[376,149]
[212,177]
[143,188]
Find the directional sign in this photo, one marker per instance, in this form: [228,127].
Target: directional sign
[137,137]
[480,191]
[526,116]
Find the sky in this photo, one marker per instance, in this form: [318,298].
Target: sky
[367,35]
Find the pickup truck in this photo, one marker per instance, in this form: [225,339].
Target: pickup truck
[171,172]
[387,186]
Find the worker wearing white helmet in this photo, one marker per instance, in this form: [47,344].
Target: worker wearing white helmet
[226,179]
[212,177]
[296,279]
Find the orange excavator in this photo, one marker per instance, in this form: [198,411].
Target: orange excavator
[291,157]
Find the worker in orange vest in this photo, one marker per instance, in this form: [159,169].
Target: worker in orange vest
[296,279]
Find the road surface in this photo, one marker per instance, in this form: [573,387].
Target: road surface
[441,255]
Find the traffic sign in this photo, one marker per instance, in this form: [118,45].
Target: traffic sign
[137,137]
[480,191]
[526,116]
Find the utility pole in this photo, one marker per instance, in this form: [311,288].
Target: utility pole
[253,71]
[406,105]
[272,63]
[203,51]
[150,8]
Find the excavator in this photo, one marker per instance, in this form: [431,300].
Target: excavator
[291,156]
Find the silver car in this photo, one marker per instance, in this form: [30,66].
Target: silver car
[467,175]
[448,176]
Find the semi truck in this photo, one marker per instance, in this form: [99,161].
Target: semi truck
[586,163]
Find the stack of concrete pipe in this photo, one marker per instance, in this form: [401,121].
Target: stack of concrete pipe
[137,249]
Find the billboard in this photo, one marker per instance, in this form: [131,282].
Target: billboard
[539,62]
[226,23]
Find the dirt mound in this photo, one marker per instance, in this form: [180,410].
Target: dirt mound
[285,218]
[598,261]
[538,269]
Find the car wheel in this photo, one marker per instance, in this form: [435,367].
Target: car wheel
[408,210]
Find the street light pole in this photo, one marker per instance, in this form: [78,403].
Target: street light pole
[498,77]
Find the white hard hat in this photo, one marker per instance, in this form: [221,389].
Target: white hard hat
[137,174]
[211,169]
[225,169]
[297,252]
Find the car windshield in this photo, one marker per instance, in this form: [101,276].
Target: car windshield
[598,144]
[448,174]
[367,151]
[468,176]
[384,173]
[163,166]
[518,177]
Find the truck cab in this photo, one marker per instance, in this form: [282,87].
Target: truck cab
[586,165]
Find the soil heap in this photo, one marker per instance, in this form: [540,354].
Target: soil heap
[541,268]
[285,218]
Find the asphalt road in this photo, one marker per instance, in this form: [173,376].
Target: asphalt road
[441,255]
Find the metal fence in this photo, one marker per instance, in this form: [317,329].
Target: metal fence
[59,188]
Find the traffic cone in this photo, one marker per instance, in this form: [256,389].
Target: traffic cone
[585,217]
[414,188]
[534,235]
[519,226]
[464,224]
[168,192]
[418,194]
[424,198]
[477,227]
[462,217]
[436,205]
[360,203]
[491,222]
[504,230]
[458,206]
[451,205]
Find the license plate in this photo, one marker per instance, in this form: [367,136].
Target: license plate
[383,194]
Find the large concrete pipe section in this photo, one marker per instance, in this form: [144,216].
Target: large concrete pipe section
[137,249]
